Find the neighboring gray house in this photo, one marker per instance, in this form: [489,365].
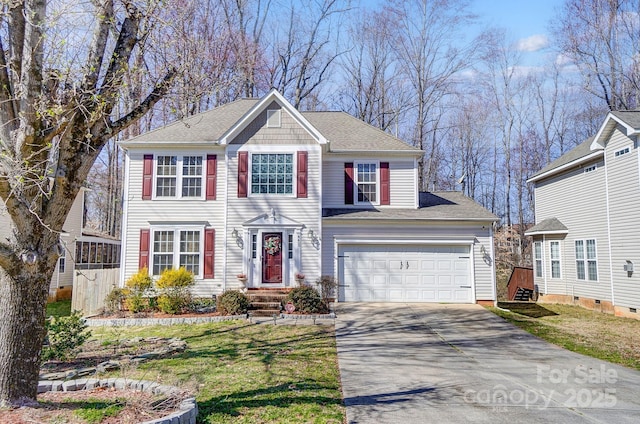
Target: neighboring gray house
[82,248]
[255,192]
[586,241]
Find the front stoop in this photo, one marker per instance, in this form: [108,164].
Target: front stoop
[266,303]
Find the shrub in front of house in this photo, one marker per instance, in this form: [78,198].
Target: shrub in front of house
[65,336]
[114,300]
[328,285]
[306,299]
[233,302]
[138,286]
[174,285]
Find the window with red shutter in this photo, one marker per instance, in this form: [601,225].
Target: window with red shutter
[143,258]
[385,189]
[209,252]
[212,169]
[302,174]
[243,171]
[147,177]
[348,183]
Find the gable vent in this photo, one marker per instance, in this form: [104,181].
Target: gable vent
[274,118]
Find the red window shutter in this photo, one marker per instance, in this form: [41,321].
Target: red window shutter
[243,173]
[212,169]
[209,251]
[385,196]
[302,174]
[348,183]
[143,258]
[147,177]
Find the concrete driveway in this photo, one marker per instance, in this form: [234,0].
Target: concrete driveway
[423,363]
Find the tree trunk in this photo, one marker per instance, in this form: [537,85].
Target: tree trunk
[23,299]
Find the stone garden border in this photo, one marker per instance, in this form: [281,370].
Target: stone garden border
[126,322]
[187,410]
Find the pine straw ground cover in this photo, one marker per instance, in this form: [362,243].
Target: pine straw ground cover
[247,373]
[591,333]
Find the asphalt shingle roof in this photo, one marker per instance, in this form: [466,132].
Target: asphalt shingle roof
[344,132]
[548,225]
[440,205]
[581,150]
[630,117]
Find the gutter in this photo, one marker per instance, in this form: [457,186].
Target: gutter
[566,166]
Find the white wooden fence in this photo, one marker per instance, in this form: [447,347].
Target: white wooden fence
[91,287]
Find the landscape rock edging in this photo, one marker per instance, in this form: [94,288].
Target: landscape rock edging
[126,322]
[187,410]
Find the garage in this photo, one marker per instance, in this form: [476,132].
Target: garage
[416,273]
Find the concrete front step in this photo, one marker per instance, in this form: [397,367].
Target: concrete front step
[264,312]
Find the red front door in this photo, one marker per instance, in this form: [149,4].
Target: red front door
[272,258]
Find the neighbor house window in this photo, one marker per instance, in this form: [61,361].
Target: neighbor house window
[590,168]
[555,259]
[62,260]
[366,180]
[184,172]
[272,173]
[586,260]
[537,252]
[175,248]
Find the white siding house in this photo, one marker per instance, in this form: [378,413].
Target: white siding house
[258,189]
[587,232]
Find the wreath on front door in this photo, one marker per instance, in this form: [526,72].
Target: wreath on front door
[272,245]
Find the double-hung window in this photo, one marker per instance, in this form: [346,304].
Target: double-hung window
[366,181]
[272,173]
[175,248]
[554,250]
[179,176]
[586,260]
[537,253]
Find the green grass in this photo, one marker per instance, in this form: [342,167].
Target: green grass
[248,373]
[60,308]
[93,411]
[590,333]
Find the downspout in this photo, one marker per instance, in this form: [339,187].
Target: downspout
[493,267]
[544,263]
[606,185]
[226,214]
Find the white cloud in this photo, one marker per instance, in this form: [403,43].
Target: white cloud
[533,43]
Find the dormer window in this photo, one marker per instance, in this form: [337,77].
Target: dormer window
[274,118]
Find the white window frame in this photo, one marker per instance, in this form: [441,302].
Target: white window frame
[294,173]
[356,182]
[537,259]
[270,114]
[622,152]
[590,168]
[179,176]
[558,259]
[176,246]
[586,260]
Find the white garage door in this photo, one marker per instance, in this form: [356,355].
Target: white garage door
[371,273]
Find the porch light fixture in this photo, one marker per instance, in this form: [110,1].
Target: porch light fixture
[312,235]
[238,237]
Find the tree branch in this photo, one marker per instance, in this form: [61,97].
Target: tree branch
[154,97]
[104,12]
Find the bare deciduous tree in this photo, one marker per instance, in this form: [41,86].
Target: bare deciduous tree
[602,38]
[57,111]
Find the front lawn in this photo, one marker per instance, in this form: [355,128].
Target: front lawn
[248,373]
[591,333]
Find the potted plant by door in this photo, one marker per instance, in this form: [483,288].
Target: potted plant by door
[243,280]
[299,278]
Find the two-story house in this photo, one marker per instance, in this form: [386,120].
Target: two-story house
[586,241]
[259,189]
